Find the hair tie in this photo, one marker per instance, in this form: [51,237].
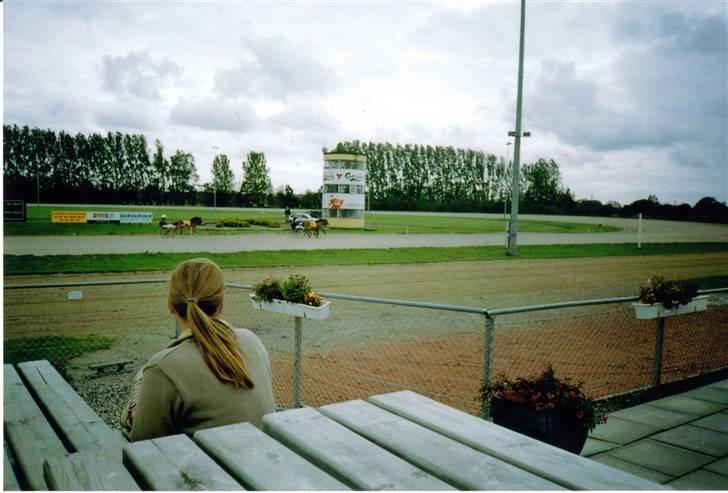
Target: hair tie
[192,300]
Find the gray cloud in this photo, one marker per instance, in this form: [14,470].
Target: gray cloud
[667,96]
[215,114]
[310,116]
[571,108]
[114,116]
[674,31]
[137,74]
[274,69]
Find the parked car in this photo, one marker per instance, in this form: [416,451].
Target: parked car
[300,217]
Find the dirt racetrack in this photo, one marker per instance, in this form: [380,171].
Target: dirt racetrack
[657,231]
[370,348]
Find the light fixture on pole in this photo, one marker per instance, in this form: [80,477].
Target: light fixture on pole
[513,223]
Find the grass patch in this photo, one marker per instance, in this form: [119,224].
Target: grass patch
[422,223]
[39,223]
[58,350]
[134,262]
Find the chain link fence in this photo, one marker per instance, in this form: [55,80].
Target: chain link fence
[367,345]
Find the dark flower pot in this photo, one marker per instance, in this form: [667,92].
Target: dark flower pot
[552,426]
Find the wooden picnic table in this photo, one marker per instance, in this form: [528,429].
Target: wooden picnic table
[395,441]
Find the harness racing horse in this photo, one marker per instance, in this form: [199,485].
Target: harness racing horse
[312,228]
[190,225]
[183,224]
[194,222]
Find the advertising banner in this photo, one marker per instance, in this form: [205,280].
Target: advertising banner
[13,211]
[103,217]
[119,217]
[343,201]
[344,176]
[68,217]
[136,217]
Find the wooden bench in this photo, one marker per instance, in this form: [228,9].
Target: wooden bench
[102,368]
[88,470]
[78,425]
[47,421]
[561,467]
[262,463]
[176,463]
[349,457]
[460,465]
[30,437]
[10,481]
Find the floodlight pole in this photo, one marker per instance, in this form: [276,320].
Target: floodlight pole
[513,224]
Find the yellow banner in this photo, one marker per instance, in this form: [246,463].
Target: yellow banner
[68,217]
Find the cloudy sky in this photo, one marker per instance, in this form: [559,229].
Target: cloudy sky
[629,98]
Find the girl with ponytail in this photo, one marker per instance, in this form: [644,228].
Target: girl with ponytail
[211,375]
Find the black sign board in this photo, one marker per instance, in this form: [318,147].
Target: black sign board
[14,211]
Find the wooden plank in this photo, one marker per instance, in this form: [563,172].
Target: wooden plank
[564,468]
[460,465]
[10,482]
[88,471]
[28,433]
[78,424]
[349,457]
[112,365]
[120,364]
[175,463]
[261,463]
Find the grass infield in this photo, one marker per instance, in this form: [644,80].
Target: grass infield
[39,223]
[138,262]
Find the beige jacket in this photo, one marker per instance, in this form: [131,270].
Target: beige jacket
[180,394]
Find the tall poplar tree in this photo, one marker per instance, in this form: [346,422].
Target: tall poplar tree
[223,177]
[256,186]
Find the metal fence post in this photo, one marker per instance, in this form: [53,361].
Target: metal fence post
[487,360]
[657,363]
[297,363]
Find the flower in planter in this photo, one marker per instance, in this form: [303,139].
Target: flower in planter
[268,289]
[669,293]
[546,393]
[296,289]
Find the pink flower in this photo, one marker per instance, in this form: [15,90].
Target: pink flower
[536,396]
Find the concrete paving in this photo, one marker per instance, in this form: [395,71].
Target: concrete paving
[680,441]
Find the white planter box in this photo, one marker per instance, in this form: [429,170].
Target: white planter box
[294,309]
[646,312]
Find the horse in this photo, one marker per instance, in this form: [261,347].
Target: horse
[314,227]
[181,224]
[194,222]
[190,225]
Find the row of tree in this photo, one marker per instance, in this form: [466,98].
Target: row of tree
[118,168]
[92,168]
[416,177]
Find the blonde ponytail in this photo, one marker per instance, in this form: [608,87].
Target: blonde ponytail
[219,347]
[196,291]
